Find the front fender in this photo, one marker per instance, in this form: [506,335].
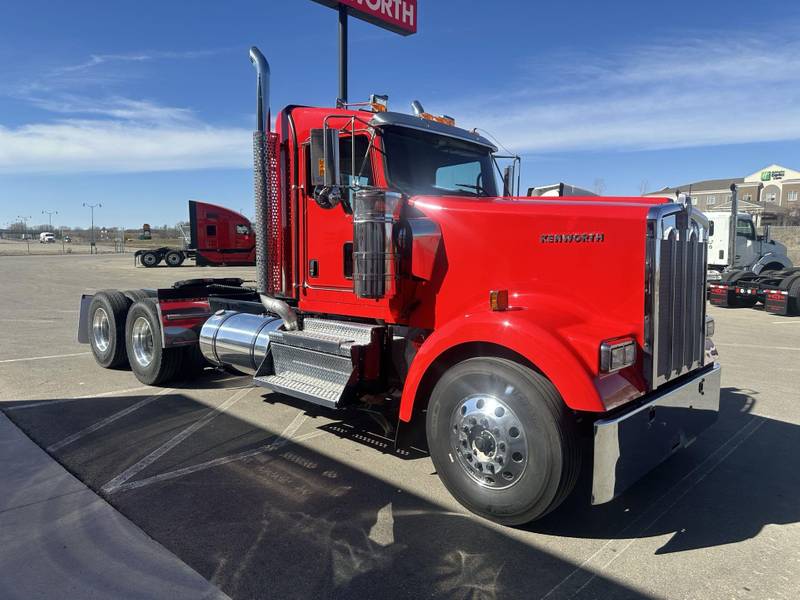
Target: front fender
[771,257]
[516,331]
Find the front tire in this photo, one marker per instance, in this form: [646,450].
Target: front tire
[150,361]
[502,440]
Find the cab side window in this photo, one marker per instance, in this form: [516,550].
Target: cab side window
[362,174]
[745,229]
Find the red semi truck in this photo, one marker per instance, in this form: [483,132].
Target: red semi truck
[392,273]
[218,236]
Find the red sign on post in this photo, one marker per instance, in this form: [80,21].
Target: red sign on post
[399,16]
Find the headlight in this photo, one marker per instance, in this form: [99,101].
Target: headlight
[617,354]
[709,326]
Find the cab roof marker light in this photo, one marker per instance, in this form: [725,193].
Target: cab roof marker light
[379,103]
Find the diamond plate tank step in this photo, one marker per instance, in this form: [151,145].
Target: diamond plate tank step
[318,363]
[302,387]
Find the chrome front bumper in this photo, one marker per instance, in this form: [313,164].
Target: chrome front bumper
[633,443]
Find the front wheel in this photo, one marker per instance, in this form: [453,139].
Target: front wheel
[150,361]
[502,441]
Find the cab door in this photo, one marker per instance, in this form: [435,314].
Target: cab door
[746,250]
[329,231]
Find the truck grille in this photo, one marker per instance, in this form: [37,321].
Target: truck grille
[675,293]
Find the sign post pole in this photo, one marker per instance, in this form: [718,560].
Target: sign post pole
[397,16]
[342,55]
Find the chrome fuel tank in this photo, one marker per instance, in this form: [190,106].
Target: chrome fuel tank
[235,339]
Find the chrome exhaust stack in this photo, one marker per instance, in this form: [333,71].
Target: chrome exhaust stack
[264,195]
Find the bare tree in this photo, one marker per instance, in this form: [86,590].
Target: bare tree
[599,186]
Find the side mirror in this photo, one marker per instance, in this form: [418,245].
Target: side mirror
[325,164]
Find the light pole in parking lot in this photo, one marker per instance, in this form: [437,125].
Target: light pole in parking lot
[92,206]
[25,230]
[50,214]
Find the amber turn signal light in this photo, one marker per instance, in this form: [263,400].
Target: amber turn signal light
[498,299]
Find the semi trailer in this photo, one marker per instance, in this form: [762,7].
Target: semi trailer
[391,274]
[217,236]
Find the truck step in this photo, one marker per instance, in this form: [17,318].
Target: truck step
[303,387]
[320,362]
[332,337]
[359,333]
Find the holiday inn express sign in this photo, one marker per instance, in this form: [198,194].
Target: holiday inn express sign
[399,16]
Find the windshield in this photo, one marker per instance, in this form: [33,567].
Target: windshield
[421,163]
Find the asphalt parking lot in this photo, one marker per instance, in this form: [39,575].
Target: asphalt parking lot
[269,498]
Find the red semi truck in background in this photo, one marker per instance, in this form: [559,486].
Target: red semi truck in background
[392,273]
[217,236]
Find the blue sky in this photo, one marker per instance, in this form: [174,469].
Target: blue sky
[143,106]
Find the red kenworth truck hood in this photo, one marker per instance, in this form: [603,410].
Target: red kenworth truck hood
[575,266]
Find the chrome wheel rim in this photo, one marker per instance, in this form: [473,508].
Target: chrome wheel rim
[488,441]
[101,330]
[142,342]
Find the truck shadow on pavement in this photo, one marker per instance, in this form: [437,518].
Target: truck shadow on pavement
[736,478]
[264,520]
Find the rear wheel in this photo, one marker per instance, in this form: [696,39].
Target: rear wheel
[794,297]
[150,259]
[502,441]
[150,361]
[107,313]
[174,258]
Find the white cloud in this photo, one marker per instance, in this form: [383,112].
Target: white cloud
[137,136]
[113,134]
[690,93]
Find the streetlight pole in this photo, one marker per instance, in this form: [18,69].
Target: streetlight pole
[92,246]
[50,214]
[25,230]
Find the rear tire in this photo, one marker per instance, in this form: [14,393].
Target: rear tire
[502,440]
[136,295]
[150,259]
[150,361]
[174,258]
[794,298]
[106,328]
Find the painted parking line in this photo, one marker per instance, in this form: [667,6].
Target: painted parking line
[15,360]
[41,403]
[209,416]
[284,439]
[786,322]
[795,348]
[107,421]
[711,462]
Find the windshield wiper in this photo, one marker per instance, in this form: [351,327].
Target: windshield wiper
[478,189]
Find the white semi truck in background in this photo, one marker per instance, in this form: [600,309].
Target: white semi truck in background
[753,252]
[745,268]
